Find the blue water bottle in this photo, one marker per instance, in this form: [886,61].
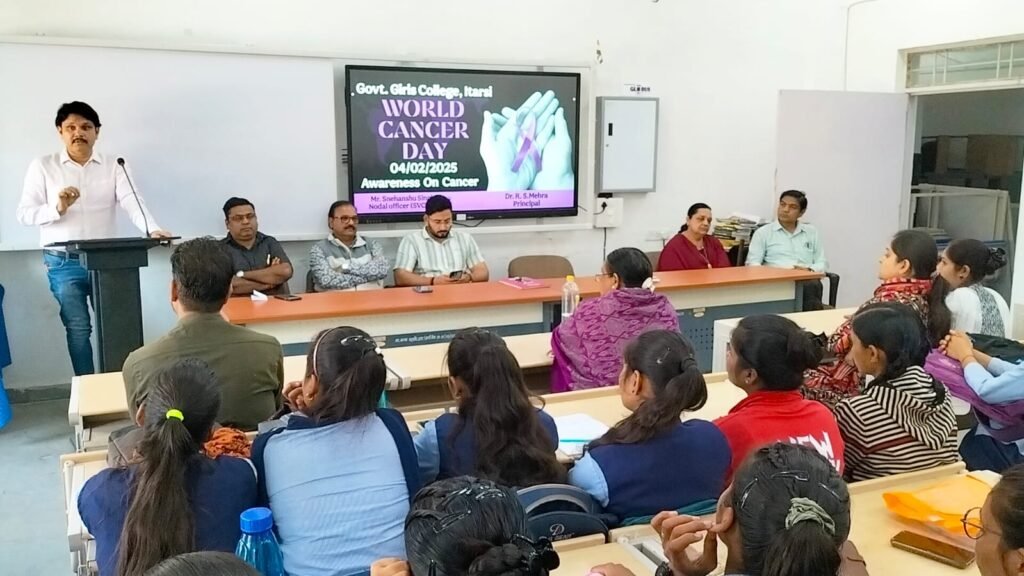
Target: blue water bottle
[258,546]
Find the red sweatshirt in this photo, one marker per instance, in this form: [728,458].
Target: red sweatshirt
[765,417]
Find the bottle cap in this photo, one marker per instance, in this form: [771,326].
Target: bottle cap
[570,278]
[256,520]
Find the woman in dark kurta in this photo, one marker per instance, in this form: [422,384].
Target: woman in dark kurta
[694,248]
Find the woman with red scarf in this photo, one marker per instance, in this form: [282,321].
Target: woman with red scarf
[905,269]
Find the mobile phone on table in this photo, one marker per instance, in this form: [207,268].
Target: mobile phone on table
[457,275]
[422,289]
[287,297]
[933,549]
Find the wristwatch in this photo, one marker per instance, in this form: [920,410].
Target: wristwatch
[240,274]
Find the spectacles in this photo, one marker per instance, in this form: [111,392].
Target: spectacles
[972,524]
[352,219]
[604,275]
[242,217]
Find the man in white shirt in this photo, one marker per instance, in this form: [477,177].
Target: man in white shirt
[437,254]
[72,195]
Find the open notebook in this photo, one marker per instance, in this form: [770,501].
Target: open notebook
[575,431]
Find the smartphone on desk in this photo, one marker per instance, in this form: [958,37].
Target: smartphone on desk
[457,275]
[933,549]
[287,297]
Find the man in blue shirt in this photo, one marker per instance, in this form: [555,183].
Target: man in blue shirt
[789,243]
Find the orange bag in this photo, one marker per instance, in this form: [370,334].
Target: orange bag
[942,505]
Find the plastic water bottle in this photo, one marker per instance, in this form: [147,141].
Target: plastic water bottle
[258,546]
[570,296]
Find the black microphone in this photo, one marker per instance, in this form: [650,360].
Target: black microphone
[145,221]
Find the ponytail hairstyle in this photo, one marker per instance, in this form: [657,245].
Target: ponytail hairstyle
[511,445]
[1007,504]
[665,358]
[980,260]
[468,527]
[793,511]
[895,329]
[179,413]
[207,563]
[632,266]
[351,374]
[919,249]
[776,348]
[691,212]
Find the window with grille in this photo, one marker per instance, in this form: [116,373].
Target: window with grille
[987,63]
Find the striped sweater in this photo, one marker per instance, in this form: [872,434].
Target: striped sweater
[902,425]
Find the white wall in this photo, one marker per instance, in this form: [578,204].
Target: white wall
[717,66]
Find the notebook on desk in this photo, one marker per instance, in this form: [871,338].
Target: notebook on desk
[523,283]
[575,431]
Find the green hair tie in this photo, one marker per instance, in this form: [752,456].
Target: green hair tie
[174,413]
[805,509]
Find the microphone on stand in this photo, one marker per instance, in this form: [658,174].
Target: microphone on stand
[145,221]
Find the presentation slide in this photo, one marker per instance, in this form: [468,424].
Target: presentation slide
[498,144]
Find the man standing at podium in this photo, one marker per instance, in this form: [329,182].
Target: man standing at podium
[73,195]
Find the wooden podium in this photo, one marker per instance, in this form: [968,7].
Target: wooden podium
[113,265]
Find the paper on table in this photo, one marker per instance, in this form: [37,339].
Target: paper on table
[258,296]
[576,430]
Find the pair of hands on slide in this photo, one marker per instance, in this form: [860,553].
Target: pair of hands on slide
[502,139]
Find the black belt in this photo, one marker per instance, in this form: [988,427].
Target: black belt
[60,254]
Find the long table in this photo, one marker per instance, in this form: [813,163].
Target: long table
[822,321]
[403,317]
[99,399]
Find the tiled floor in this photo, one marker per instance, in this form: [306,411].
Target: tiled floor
[32,539]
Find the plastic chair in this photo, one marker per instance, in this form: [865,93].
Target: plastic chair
[540,267]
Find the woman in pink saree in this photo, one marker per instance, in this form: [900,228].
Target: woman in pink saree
[588,347]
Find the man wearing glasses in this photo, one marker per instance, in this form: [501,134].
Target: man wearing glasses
[437,254]
[260,262]
[345,260]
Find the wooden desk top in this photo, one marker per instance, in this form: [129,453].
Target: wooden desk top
[817,322]
[244,310]
[578,562]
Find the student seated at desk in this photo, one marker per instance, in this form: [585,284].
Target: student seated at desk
[339,475]
[173,499]
[996,392]
[998,527]
[973,308]
[203,564]
[249,365]
[766,357]
[588,346]
[468,527]
[903,421]
[496,433]
[651,461]
[906,270]
[787,513]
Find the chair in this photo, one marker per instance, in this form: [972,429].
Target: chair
[561,512]
[540,267]
[654,257]
[310,284]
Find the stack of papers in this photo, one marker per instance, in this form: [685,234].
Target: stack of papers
[575,431]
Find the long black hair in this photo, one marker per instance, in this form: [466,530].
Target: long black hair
[207,563]
[468,527]
[776,348]
[179,413]
[693,210]
[351,374]
[665,358]
[919,249]
[632,266]
[979,259]
[896,330]
[793,511]
[512,446]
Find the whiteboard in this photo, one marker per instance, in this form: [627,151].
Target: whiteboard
[196,128]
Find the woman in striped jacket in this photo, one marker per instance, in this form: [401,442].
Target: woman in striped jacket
[903,421]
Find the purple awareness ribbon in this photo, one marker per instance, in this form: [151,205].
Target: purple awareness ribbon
[529,133]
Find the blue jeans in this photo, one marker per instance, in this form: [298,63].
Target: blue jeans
[69,283]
